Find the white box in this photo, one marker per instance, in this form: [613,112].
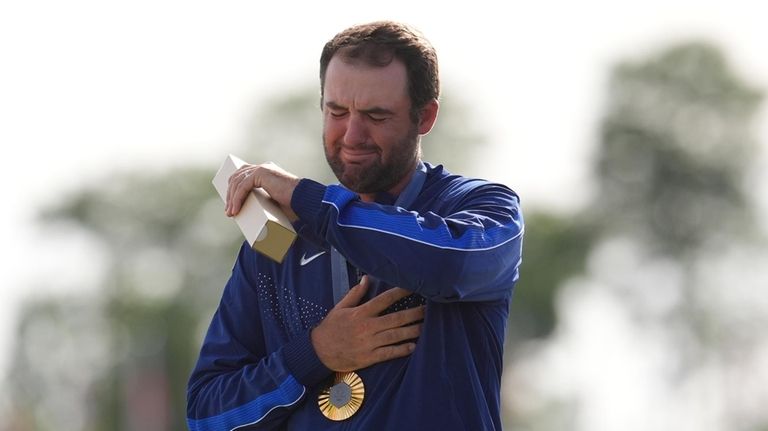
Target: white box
[261,220]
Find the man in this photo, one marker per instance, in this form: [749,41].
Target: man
[291,346]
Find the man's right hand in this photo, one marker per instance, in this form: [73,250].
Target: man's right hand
[355,336]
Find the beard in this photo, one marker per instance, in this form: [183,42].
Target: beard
[381,174]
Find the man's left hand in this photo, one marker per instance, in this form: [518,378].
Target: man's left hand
[277,182]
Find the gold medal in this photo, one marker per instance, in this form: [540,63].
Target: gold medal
[343,397]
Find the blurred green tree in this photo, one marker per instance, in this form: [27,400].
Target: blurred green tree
[120,360]
[675,150]
[673,165]
[555,248]
[672,173]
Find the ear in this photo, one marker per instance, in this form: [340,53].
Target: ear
[428,116]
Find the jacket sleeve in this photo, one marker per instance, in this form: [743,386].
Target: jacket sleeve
[237,383]
[471,254]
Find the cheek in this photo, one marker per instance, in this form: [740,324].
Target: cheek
[332,132]
[389,138]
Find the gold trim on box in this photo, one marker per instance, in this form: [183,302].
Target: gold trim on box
[350,386]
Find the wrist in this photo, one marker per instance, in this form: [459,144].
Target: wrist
[303,362]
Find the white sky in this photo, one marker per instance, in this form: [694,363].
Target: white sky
[91,87]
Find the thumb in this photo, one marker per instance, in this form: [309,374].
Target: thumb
[355,294]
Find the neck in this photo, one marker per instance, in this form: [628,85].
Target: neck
[396,189]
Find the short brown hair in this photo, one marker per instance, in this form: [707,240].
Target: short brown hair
[377,44]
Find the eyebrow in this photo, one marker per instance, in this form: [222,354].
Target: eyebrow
[373,110]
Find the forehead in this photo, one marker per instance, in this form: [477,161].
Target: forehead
[356,84]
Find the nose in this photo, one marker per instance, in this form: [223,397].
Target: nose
[356,133]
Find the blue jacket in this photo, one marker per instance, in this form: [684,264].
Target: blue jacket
[458,247]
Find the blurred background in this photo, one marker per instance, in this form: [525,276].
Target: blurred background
[635,133]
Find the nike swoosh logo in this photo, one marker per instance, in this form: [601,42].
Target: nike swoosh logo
[305,260]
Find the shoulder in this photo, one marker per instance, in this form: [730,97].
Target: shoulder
[449,187]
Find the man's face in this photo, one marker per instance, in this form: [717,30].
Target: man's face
[370,141]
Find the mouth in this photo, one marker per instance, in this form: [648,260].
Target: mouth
[358,155]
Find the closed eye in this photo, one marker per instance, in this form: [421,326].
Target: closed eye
[377,118]
[378,115]
[338,114]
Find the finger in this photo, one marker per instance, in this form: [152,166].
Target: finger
[241,191]
[239,194]
[237,174]
[240,178]
[231,191]
[392,352]
[355,294]
[399,318]
[382,301]
[397,335]
[232,183]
